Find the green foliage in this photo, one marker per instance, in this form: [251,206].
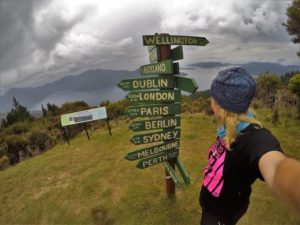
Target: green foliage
[293,22]
[267,86]
[39,140]
[70,107]
[275,117]
[18,128]
[104,103]
[18,113]
[4,162]
[294,84]
[15,144]
[190,104]
[116,109]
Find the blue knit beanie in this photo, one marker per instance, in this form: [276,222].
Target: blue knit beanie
[233,89]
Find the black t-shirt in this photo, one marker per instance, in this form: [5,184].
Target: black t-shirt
[229,175]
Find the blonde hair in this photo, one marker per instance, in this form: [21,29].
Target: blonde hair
[231,120]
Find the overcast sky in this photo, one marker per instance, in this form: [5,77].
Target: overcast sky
[41,41]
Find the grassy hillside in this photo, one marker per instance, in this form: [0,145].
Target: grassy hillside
[89,182]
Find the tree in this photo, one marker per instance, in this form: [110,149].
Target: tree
[293,22]
[18,113]
[294,86]
[267,86]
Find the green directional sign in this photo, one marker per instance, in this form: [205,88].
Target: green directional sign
[156,159]
[186,84]
[161,67]
[154,55]
[154,96]
[177,53]
[163,123]
[153,110]
[153,150]
[173,40]
[165,82]
[172,173]
[166,135]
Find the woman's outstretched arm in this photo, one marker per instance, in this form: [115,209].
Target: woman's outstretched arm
[282,175]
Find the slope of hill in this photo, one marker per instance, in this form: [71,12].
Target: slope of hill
[90,182]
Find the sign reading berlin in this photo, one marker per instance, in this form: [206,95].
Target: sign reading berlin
[173,40]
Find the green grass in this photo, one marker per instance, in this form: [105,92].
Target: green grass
[90,182]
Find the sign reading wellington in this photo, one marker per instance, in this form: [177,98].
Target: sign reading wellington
[158,109]
[83,116]
[173,40]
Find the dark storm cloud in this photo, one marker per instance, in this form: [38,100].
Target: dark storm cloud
[15,19]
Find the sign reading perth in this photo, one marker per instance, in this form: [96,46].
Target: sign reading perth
[83,116]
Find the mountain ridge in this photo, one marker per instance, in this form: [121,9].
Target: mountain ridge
[94,86]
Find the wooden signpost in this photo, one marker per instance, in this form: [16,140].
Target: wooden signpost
[159,106]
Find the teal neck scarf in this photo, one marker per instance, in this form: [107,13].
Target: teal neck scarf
[221,131]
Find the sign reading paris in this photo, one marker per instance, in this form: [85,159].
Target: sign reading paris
[173,40]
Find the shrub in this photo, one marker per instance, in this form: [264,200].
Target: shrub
[15,144]
[4,162]
[39,140]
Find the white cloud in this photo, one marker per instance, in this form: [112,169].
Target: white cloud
[65,37]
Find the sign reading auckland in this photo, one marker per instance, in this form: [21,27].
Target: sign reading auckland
[83,116]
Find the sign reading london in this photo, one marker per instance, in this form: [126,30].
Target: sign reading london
[173,40]
[154,96]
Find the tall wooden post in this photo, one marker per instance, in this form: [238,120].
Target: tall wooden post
[165,54]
